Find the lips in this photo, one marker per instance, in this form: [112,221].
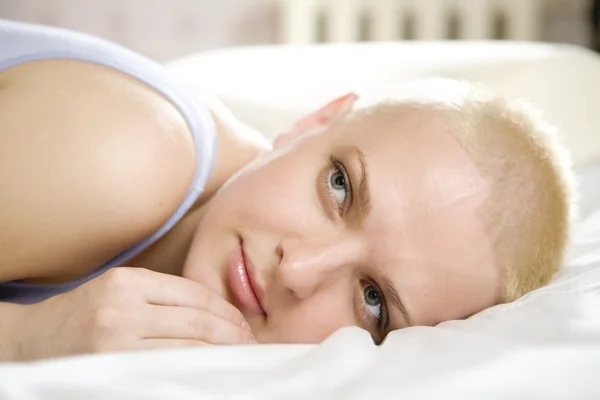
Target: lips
[241,281]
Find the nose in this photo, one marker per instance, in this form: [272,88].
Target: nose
[306,265]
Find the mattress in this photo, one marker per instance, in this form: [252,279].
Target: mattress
[545,345]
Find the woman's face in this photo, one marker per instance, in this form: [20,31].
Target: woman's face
[371,222]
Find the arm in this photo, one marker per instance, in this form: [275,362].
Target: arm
[76,186]
[91,162]
[9,315]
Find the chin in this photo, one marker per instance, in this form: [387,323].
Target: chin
[195,270]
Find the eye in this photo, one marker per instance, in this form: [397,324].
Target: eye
[337,185]
[373,307]
[372,300]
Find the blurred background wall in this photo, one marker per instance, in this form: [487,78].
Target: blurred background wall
[166,29]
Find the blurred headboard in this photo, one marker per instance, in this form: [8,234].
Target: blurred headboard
[309,21]
[165,29]
[162,29]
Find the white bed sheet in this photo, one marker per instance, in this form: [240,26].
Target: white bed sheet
[545,345]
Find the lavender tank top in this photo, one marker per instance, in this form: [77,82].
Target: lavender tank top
[20,43]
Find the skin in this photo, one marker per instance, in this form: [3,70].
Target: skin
[314,252]
[311,261]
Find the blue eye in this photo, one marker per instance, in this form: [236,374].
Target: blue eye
[337,185]
[372,299]
[373,307]
[337,180]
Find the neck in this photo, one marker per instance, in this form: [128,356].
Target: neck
[168,254]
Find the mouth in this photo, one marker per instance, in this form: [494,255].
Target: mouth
[242,283]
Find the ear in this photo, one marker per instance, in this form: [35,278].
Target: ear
[327,114]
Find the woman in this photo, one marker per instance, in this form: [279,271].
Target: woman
[136,216]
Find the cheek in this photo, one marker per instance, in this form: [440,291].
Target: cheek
[311,321]
[279,194]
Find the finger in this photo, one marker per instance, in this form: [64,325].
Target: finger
[190,323]
[148,344]
[171,290]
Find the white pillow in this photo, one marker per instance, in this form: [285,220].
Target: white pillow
[269,87]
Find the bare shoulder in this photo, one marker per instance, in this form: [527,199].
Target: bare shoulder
[91,162]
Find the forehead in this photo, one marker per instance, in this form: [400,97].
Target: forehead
[413,156]
[425,229]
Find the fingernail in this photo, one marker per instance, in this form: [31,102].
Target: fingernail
[252,341]
[245,326]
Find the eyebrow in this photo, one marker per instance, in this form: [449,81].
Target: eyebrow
[394,298]
[364,194]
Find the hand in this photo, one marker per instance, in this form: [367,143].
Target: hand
[129,309]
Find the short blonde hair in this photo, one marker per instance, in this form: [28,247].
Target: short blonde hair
[531,205]
[530,210]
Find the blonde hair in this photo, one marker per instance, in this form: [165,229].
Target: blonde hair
[530,208]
